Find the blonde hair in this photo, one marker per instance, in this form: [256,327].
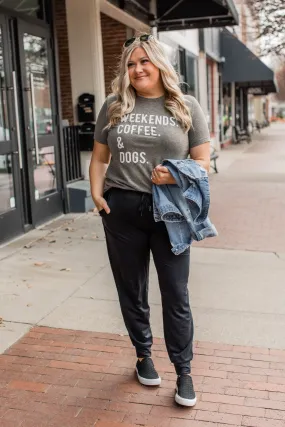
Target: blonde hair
[126,94]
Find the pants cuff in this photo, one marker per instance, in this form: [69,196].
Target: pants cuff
[183,369]
[143,353]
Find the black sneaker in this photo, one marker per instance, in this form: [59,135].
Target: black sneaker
[185,394]
[146,372]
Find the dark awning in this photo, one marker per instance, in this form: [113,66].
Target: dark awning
[188,14]
[182,14]
[244,67]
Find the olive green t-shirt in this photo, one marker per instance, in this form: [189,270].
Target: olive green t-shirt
[144,138]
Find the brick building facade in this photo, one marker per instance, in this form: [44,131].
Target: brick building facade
[112,47]
[114,34]
[63,60]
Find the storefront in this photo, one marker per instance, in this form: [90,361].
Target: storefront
[33,174]
[182,49]
[209,80]
[30,180]
[246,79]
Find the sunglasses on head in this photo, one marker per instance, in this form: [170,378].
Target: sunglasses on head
[143,38]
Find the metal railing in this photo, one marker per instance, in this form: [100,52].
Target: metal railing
[72,153]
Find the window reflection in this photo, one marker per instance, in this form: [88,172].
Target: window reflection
[45,173]
[28,7]
[191,75]
[4,125]
[37,63]
[7,199]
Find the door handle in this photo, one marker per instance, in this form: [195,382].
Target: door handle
[34,118]
[17,121]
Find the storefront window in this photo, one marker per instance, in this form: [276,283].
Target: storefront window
[36,57]
[191,66]
[227,111]
[185,65]
[171,53]
[7,196]
[4,119]
[28,7]
[182,69]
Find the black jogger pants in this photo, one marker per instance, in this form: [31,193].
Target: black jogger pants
[131,233]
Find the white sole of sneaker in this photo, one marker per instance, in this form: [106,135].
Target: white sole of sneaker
[145,381]
[184,402]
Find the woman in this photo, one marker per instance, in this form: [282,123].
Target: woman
[146,120]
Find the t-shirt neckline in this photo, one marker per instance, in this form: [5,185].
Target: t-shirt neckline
[150,99]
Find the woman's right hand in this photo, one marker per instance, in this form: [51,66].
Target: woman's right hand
[101,204]
[98,167]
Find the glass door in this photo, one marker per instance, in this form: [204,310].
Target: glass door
[11,156]
[40,118]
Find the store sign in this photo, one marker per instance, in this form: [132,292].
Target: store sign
[256,91]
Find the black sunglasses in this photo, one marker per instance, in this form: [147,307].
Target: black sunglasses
[143,38]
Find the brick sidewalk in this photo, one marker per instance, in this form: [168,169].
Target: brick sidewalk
[65,378]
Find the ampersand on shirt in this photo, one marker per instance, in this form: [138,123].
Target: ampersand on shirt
[120,144]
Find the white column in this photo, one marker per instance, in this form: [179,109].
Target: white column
[153,10]
[203,93]
[270,106]
[217,117]
[258,108]
[154,32]
[86,56]
[85,49]
[241,97]
[222,112]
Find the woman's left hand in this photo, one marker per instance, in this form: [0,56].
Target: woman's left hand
[161,175]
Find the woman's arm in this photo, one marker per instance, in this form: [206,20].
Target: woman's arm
[201,155]
[98,166]
[199,136]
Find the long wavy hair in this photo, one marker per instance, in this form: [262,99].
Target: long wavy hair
[126,94]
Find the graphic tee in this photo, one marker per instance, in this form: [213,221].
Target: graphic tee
[144,138]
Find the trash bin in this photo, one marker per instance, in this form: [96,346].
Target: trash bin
[86,136]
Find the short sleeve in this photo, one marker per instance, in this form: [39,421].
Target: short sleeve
[199,132]
[101,133]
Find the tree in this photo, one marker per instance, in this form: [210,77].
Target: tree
[270,19]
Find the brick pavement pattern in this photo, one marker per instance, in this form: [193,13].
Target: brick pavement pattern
[66,378]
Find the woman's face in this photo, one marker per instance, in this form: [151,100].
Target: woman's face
[144,75]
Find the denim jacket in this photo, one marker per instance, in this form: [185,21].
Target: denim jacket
[184,206]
